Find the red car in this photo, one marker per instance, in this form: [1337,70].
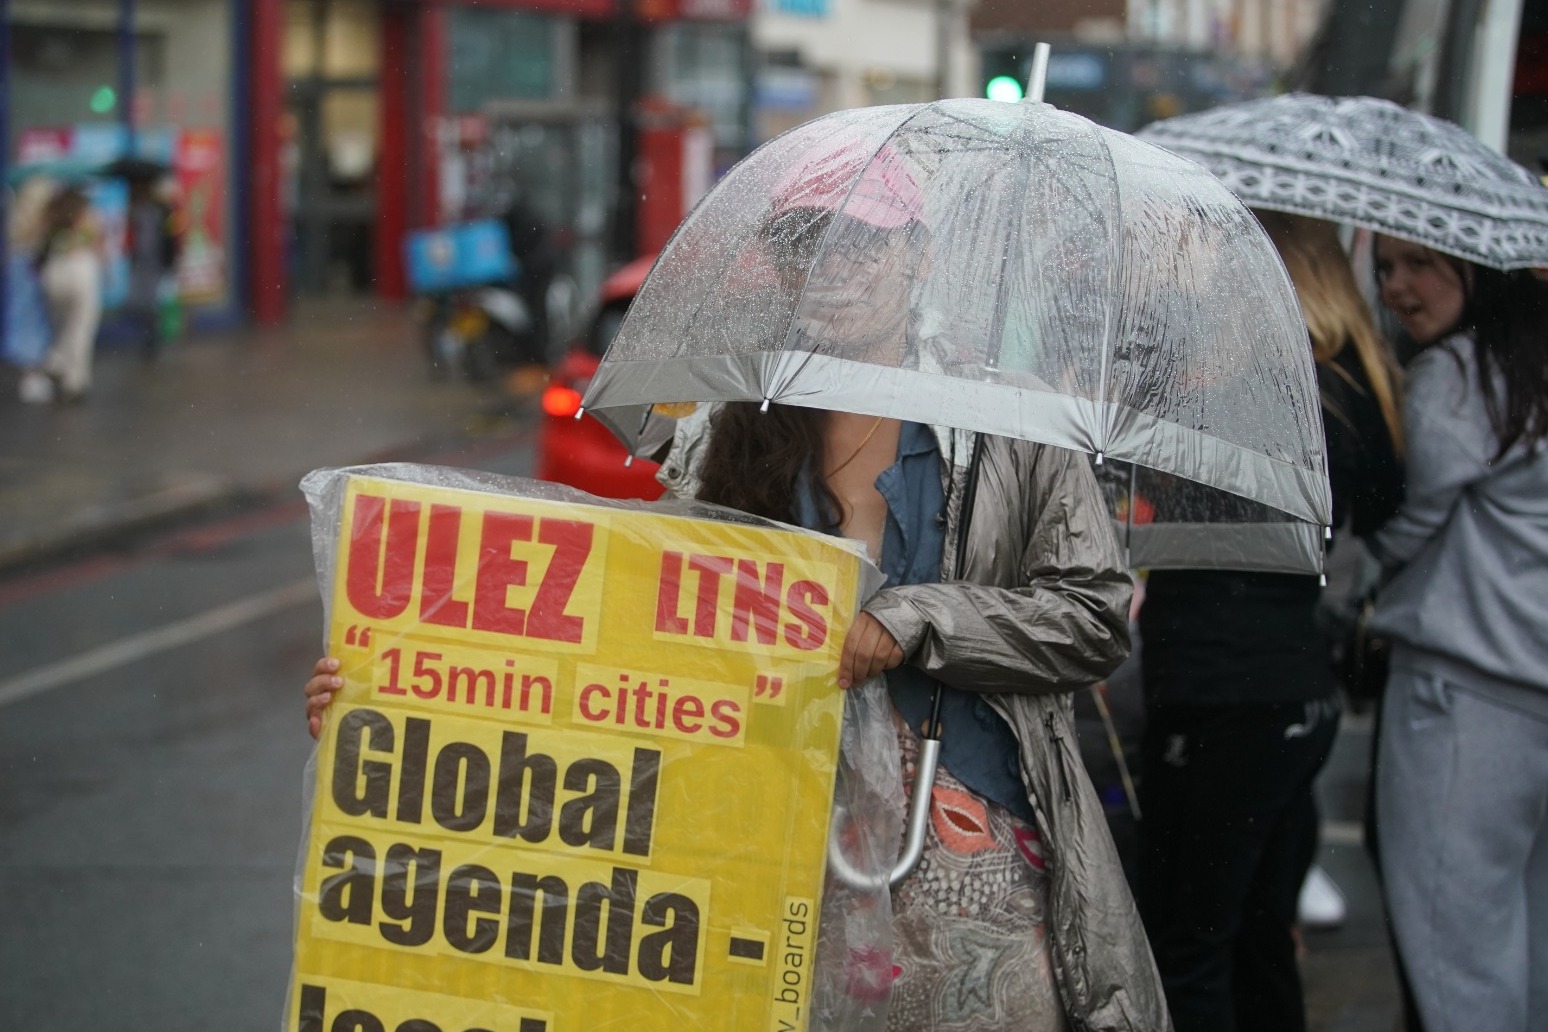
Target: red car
[582,452]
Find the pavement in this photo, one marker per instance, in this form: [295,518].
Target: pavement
[237,418]
[226,419]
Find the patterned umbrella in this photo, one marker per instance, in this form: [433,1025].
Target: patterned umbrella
[1370,163]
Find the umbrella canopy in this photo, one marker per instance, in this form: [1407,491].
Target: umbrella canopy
[1008,269]
[1370,163]
[136,169]
[66,169]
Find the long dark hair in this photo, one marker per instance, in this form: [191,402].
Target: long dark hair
[1508,314]
[754,460]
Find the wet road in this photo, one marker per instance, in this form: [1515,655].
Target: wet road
[152,749]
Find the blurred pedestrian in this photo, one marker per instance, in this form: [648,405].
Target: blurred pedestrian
[1462,774]
[1242,704]
[70,269]
[152,248]
[27,332]
[539,257]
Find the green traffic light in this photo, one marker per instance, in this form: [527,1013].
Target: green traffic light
[1003,87]
[104,100]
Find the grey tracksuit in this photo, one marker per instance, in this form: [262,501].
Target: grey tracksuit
[1462,773]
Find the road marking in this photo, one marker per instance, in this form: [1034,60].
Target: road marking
[139,646]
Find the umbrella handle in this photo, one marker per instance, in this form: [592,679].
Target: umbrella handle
[839,865]
[918,810]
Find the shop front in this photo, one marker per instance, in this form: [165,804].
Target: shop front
[94,83]
[407,114]
[301,140]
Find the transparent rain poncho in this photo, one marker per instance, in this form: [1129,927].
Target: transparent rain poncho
[1010,269]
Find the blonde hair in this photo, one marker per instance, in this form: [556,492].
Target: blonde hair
[1335,312]
[27,213]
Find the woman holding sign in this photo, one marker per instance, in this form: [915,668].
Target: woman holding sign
[1020,890]
[1018,916]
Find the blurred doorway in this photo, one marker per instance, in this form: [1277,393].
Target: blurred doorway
[332,62]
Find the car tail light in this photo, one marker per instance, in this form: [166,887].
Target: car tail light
[561,401]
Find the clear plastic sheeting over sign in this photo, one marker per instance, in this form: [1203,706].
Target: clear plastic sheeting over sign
[582,771]
[1009,269]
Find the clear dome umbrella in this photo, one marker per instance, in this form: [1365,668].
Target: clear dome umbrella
[1009,269]
[1006,269]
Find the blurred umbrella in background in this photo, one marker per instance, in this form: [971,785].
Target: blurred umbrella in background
[62,169]
[136,170]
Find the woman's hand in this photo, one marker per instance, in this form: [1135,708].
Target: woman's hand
[868,650]
[319,692]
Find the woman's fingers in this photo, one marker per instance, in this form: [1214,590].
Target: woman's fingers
[324,682]
[868,650]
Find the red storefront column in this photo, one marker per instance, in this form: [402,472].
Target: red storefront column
[266,217]
[434,42]
[394,169]
[413,101]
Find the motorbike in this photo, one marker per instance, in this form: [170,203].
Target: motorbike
[478,316]
[480,332]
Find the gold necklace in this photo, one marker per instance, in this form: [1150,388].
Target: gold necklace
[856,453]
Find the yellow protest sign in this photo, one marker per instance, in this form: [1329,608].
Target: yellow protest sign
[580,772]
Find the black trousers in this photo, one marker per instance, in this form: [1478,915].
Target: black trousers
[1228,831]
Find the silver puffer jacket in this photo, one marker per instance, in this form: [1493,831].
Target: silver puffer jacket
[1043,612]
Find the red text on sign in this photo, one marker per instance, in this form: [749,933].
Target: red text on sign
[387,538]
[693,592]
[639,705]
[434,678]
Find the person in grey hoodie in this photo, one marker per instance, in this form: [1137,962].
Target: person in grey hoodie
[1462,769]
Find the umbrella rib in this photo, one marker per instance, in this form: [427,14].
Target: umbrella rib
[1114,292]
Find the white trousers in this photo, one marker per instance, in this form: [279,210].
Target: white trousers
[1462,810]
[72,285]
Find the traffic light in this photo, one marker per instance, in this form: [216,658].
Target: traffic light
[1002,75]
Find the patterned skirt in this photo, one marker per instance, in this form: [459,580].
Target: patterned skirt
[970,937]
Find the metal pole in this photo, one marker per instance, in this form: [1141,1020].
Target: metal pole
[1039,75]
[628,70]
[126,73]
[945,36]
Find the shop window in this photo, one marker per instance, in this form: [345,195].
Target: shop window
[332,39]
[706,70]
[64,75]
[500,55]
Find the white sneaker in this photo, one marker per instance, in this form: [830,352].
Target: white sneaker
[36,388]
[1321,905]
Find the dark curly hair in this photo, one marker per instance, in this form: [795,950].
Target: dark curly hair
[754,460]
